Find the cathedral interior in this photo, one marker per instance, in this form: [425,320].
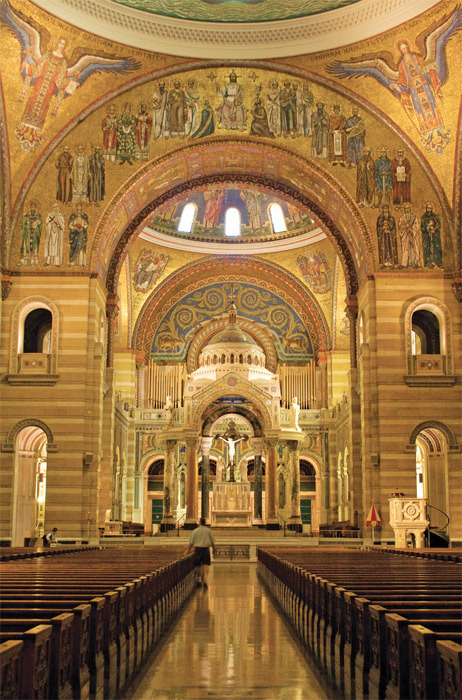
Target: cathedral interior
[230,263]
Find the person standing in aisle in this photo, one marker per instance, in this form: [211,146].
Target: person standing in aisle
[201,540]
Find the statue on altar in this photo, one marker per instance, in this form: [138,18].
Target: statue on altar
[169,410]
[220,469]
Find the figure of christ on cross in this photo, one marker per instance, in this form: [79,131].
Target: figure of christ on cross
[231,451]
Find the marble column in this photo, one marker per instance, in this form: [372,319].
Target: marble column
[295,519]
[206,444]
[257,445]
[321,388]
[272,522]
[325,480]
[351,311]
[169,468]
[191,484]
[112,309]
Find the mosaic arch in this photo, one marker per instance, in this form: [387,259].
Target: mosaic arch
[305,182]
[262,306]
[214,412]
[242,271]
[256,410]
[331,190]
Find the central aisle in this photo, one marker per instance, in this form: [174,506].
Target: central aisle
[230,642]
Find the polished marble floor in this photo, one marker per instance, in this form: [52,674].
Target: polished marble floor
[230,642]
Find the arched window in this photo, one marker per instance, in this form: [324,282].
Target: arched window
[307,475]
[187,218]
[425,333]
[232,222]
[277,218]
[34,345]
[156,468]
[37,331]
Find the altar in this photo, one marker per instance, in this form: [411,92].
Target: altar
[231,504]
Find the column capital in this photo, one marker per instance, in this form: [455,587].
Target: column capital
[257,445]
[293,445]
[140,360]
[272,442]
[191,442]
[112,305]
[206,444]
[351,307]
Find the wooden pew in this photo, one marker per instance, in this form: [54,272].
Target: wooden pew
[449,669]
[33,666]
[124,628]
[11,668]
[327,611]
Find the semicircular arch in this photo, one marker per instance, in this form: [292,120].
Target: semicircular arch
[435,425]
[212,415]
[259,416]
[13,433]
[15,206]
[203,335]
[277,168]
[239,270]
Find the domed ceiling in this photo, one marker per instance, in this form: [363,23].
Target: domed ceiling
[263,216]
[235,10]
[237,29]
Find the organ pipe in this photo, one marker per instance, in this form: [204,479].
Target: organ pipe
[297,381]
[165,380]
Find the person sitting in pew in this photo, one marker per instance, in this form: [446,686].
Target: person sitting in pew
[50,538]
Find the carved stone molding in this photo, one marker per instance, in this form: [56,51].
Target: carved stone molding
[32,379]
[6,287]
[435,380]
[457,289]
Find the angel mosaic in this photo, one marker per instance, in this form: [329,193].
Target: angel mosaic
[49,76]
[316,271]
[416,79]
[148,268]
